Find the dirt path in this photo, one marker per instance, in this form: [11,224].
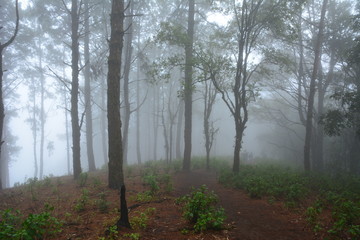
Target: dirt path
[251,219]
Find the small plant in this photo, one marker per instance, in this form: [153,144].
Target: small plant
[146,196]
[140,221]
[46,181]
[151,180]
[199,208]
[134,236]
[82,179]
[102,203]
[82,201]
[165,179]
[96,181]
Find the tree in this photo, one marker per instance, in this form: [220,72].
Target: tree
[2,109]
[75,15]
[116,174]
[310,106]
[188,86]
[88,104]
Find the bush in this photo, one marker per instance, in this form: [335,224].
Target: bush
[199,208]
[35,226]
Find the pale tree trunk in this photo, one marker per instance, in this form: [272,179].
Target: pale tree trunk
[138,116]
[88,105]
[310,107]
[188,86]
[127,66]
[179,129]
[156,111]
[2,108]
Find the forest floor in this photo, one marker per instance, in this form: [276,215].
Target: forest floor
[88,209]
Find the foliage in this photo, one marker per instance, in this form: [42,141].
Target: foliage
[199,208]
[82,179]
[35,226]
[102,203]
[335,120]
[151,180]
[140,221]
[339,194]
[82,201]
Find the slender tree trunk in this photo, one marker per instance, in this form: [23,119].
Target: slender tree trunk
[88,105]
[138,117]
[179,129]
[42,114]
[116,174]
[75,88]
[188,86]
[310,109]
[67,133]
[156,112]
[2,108]
[103,123]
[127,66]
[34,130]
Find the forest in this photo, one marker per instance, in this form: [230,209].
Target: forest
[182,119]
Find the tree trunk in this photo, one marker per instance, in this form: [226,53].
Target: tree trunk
[178,129]
[138,117]
[127,66]
[2,108]
[310,107]
[116,174]
[188,86]
[88,106]
[116,178]
[75,88]
[103,123]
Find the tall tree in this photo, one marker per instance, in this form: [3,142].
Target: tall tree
[2,109]
[314,76]
[188,85]
[116,174]
[127,68]
[75,21]
[88,105]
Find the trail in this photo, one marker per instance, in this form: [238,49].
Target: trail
[251,219]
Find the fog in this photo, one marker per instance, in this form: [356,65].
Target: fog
[273,105]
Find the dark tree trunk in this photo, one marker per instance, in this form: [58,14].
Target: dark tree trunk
[310,109]
[188,86]
[88,105]
[75,88]
[2,108]
[116,174]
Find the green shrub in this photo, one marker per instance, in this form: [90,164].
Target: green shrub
[199,209]
[152,181]
[82,179]
[35,226]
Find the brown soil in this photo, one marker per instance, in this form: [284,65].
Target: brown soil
[247,219]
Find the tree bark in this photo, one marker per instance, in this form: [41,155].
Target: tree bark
[116,174]
[75,88]
[188,86]
[310,107]
[88,105]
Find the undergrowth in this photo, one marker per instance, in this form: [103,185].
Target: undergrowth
[199,207]
[339,195]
